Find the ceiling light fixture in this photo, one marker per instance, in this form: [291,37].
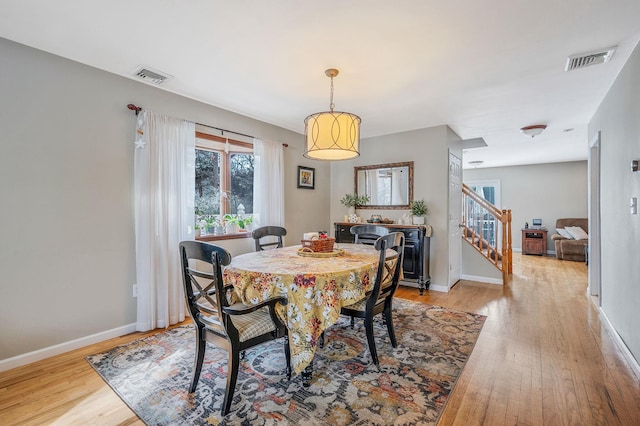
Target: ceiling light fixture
[332,135]
[534,130]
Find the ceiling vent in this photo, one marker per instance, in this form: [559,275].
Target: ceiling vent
[151,76]
[587,59]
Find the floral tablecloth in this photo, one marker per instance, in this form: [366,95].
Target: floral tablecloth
[316,289]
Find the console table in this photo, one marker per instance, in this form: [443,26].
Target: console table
[416,249]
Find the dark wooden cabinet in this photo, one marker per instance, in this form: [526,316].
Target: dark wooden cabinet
[416,249]
[534,241]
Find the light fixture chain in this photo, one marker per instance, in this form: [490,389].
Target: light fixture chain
[331,105]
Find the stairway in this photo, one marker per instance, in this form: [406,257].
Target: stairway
[488,230]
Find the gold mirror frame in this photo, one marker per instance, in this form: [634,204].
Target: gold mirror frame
[408,164]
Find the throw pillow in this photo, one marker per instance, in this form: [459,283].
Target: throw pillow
[564,233]
[577,232]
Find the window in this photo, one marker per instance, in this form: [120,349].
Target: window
[224,182]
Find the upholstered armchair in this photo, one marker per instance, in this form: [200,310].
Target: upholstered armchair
[568,247]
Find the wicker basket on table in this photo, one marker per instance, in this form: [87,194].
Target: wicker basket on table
[318,245]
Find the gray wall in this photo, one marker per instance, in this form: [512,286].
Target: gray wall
[475,266]
[429,150]
[547,191]
[618,120]
[66,188]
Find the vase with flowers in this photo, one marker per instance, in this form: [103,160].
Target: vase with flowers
[352,201]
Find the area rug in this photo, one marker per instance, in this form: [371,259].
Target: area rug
[412,386]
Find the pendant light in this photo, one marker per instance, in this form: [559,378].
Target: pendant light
[332,135]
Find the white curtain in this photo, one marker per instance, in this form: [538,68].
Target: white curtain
[164,180]
[268,182]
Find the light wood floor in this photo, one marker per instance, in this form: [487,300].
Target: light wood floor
[542,358]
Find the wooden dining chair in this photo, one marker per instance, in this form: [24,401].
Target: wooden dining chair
[218,320]
[368,234]
[268,231]
[379,300]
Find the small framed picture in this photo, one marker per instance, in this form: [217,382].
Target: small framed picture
[306,177]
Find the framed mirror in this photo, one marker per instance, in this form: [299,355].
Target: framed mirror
[388,186]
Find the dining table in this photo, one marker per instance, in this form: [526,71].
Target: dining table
[316,285]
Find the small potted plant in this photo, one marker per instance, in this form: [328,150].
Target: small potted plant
[210,223]
[248,221]
[232,223]
[197,229]
[419,210]
[218,229]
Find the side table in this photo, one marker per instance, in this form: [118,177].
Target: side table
[534,241]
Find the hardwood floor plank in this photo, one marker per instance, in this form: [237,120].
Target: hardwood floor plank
[542,358]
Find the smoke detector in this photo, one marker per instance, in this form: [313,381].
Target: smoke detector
[151,76]
[587,59]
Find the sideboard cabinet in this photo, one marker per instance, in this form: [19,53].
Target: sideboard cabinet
[416,249]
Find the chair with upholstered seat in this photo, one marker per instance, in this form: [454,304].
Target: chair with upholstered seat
[368,234]
[379,300]
[221,321]
[268,231]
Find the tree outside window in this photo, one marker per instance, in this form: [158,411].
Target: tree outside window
[224,182]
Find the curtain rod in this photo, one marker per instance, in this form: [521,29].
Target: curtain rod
[137,110]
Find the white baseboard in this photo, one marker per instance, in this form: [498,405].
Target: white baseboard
[40,354]
[487,280]
[633,363]
[440,288]
[432,286]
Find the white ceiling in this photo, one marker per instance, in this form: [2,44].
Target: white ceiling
[485,68]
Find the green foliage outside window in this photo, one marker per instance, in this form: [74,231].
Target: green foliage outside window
[210,198]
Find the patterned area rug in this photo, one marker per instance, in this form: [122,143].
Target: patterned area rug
[415,380]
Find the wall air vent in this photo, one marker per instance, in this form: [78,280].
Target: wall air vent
[587,59]
[151,76]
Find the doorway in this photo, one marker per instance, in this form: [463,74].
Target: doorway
[593,251]
[455,216]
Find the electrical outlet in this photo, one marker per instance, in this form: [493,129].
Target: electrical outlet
[135,290]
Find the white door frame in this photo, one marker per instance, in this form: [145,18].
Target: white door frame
[593,165]
[455,216]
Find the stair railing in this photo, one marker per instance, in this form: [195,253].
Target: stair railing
[488,230]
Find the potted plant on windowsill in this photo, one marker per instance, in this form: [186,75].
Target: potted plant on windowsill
[210,223]
[248,222]
[218,229]
[419,210]
[230,224]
